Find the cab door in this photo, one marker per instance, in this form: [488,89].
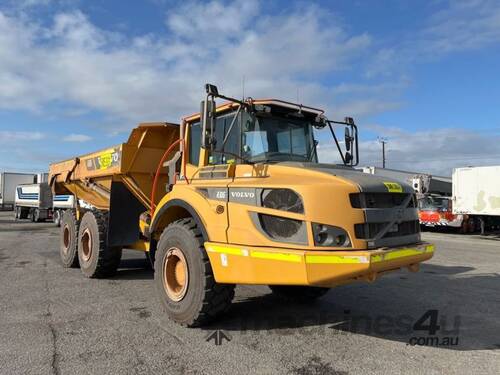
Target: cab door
[210,178]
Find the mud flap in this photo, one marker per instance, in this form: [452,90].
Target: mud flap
[124,211]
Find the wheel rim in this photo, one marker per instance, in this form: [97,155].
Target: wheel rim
[66,238]
[86,245]
[175,274]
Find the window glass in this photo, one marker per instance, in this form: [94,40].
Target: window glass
[194,143]
[222,126]
[270,138]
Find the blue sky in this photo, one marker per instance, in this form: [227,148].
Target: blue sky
[76,76]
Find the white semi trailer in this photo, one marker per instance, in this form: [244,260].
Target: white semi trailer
[8,183]
[476,193]
[33,201]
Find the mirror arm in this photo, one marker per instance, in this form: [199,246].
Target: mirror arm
[336,140]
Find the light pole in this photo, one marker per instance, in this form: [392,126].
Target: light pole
[383,140]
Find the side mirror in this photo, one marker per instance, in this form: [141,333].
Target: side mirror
[207,112]
[348,157]
[347,139]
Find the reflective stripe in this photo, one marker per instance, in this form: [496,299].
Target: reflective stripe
[276,256]
[401,254]
[335,259]
[225,250]
[255,254]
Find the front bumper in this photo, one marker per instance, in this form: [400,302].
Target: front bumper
[234,264]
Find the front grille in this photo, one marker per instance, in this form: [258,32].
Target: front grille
[370,230]
[381,200]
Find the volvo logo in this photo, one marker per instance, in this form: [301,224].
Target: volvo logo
[242,194]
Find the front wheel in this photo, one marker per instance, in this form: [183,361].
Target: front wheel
[184,278]
[298,294]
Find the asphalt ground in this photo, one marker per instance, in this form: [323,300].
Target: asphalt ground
[444,319]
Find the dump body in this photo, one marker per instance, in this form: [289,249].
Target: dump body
[90,177]
[118,179]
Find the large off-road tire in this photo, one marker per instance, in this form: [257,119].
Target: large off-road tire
[68,247]
[298,294]
[97,260]
[184,278]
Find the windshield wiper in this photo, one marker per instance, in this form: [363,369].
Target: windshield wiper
[235,155]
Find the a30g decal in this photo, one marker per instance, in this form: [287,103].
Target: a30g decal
[104,160]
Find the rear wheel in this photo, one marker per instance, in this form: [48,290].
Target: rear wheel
[23,213]
[184,278]
[68,248]
[298,294]
[96,258]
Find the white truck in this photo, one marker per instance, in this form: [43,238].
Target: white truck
[8,183]
[36,202]
[476,193]
[33,201]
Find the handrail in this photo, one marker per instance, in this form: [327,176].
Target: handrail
[158,169]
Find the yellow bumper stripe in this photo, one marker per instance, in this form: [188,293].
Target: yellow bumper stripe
[277,256]
[335,259]
[401,254]
[225,250]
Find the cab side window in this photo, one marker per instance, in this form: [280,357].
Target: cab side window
[194,143]
[222,126]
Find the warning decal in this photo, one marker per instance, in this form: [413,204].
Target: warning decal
[393,187]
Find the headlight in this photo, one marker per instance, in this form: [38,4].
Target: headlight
[328,235]
[282,199]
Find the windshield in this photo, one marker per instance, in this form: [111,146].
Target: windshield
[276,138]
[434,203]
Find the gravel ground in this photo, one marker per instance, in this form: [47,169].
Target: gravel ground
[55,321]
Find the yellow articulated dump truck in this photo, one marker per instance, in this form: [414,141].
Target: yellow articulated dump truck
[235,195]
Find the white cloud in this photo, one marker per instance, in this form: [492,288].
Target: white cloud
[431,151]
[462,25]
[465,24]
[77,138]
[10,136]
[161,78]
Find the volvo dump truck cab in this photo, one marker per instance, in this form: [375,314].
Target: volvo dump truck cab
[236,195]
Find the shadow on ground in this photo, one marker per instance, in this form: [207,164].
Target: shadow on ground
[388,310]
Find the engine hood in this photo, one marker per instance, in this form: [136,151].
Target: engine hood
[367,183]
